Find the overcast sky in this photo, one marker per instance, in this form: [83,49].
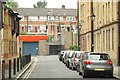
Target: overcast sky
[51,3]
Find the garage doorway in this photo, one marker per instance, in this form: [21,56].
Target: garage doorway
[30,48]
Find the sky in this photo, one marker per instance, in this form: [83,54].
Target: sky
[50,3]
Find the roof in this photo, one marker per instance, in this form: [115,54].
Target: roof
[32,38]
[44,11]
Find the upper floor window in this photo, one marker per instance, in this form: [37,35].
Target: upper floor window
[59,18]
[33,18]
[71,19]
[43,18]
[51,18]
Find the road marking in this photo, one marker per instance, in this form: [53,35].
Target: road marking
[30,71]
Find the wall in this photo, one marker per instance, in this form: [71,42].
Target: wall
[42,48]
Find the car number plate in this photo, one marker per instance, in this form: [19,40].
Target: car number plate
[99,69]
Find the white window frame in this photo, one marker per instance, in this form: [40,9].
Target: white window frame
[43,28]
[42,18]
[32,18]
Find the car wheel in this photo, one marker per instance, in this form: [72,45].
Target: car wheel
[84,74]
[72,67]
[69,66]
[110,75]
[80,73]
[77,68]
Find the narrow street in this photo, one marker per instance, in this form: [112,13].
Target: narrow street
[51,67]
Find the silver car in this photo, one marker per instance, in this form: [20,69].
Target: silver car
[75,59]
[93,63]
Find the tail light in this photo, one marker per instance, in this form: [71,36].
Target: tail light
[88,62]
[109,62]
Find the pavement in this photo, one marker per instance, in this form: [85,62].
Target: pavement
[116,72]
[26,68]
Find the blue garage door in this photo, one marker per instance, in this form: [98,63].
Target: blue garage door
[30,48]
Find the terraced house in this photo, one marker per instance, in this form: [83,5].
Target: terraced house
[47,24]
[100,31]
[9,42]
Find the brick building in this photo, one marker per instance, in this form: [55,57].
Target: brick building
[9,32]
[102,33]
[48,22]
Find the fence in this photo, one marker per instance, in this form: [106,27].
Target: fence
[14,66]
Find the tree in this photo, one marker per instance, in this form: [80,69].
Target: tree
[11,4]
[40,4]
[74,47]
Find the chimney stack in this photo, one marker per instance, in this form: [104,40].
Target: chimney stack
[63,6]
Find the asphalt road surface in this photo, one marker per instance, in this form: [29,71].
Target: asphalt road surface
[51,67]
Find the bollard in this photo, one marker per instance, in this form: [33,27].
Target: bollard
[3,69]
[23,59]
[14,66]
[21,63]
[17,64]
[10,69]
[30,58]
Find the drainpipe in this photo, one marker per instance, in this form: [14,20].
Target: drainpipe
[78,24]
[118,35]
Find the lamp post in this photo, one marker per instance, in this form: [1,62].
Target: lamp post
[48,14]
[79,29]
[71,30]
[59,22]
[92,31]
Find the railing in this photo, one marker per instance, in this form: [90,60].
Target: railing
[18,64]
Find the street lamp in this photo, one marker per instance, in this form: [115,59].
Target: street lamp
[59,27]
[48,14]
[92,35]
[79,29]
[71,30]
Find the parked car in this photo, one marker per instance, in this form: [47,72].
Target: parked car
[93,63]
[64,56]
[75,59]
[60,55]
[68,59]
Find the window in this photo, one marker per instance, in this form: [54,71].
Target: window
[43,18]
[99,56]
[29,27]
[82,9]
[51,18]
[36,29]
[112,10]
[22,28]
[106,13]
[109,11]
[103,15]
[109,40]
[33,18]
[42,28]
[71,19]
[113,39]
[59,28]
[103,40]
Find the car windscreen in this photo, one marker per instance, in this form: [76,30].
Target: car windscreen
[99,57]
